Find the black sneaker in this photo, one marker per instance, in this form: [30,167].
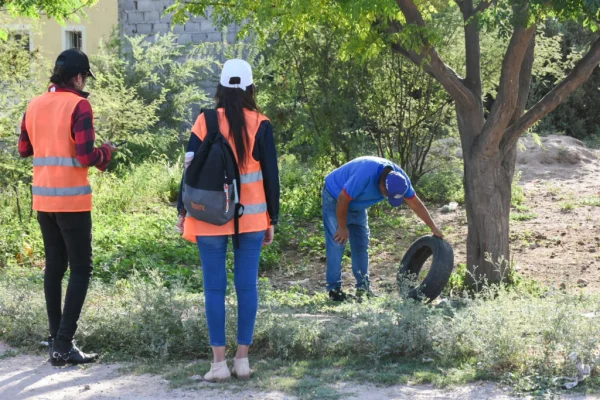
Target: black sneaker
[337,295]
[72,356]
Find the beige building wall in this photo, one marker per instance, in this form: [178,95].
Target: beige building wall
[51,38]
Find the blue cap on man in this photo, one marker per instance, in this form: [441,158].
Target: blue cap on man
[396,186]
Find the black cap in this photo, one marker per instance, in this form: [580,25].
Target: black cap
[75,62]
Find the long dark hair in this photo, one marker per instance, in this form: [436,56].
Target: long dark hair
[62,76]
[233,101]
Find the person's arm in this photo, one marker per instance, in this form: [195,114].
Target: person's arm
[341,211]
[193,146]
[415,204]
[25,147]
[265,152]
[84,135]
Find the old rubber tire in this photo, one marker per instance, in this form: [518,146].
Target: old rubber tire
[439,273]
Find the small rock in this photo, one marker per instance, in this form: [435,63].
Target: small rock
[453,206]
[563,234]
[582,282]
[302,282]
[196,377]
[563,286]
[85,388]
[592,249]
[346,275]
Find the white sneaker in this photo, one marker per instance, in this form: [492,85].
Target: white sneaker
[218,372]
[241,368]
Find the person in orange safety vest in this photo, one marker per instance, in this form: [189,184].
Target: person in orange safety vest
[250,135]
[58,131]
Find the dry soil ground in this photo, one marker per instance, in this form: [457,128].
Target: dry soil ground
[555,236]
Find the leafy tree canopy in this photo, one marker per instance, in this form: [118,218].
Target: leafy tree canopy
[61,10]
[368,19]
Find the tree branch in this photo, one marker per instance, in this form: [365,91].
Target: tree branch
[432,62]
[524,81]
[484,5]
[508,91]
[582,71]
[473,50]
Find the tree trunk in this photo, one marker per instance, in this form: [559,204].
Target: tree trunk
[488,198]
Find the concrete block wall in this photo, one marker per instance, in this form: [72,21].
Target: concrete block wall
[145,17]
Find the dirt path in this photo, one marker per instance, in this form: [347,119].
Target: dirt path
[31,377]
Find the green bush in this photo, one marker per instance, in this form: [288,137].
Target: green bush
[445,182]
[301,186]
[162,73]
[500,334]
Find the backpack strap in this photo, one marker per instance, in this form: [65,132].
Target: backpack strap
[212,122]
[212,132]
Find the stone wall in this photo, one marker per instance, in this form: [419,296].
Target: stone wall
[145,17]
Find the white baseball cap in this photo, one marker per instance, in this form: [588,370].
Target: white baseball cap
[236,73]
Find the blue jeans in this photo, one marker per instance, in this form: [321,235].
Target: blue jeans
[358,225]
[213,254]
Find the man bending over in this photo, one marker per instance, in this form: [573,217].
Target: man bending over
[348,192]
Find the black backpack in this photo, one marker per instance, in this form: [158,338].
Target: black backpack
[211,191]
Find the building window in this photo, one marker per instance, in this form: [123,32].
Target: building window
[73,40]
[22,38]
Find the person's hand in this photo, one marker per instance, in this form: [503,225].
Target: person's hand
[342,235]
[437,232]
[269,235]
[180,221]
[111,147]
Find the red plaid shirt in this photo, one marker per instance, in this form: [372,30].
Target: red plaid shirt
[82,131]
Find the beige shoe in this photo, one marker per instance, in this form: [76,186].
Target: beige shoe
[218,372]
[241,368]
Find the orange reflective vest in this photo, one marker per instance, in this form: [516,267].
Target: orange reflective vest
[252,196]
[60,182]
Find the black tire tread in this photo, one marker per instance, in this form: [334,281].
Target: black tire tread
[441,266]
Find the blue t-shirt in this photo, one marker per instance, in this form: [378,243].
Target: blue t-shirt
[359,178]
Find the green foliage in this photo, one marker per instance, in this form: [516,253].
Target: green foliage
[501,334]
[301,187]
[444,183]
[311,94]
[165,75]
[558,46]
[120,113]
[61,10]
[404,111]
[517,191]
[20,73]
[522,216]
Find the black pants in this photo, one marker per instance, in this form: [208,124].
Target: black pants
[67,242]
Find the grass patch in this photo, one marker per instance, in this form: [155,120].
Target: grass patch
[567,206]
[591,201]
[522,216]
[500,334]
[311,379]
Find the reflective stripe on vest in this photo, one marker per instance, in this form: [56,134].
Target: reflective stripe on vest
[61,192]
[255,208]
[251,177]
[56,162]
